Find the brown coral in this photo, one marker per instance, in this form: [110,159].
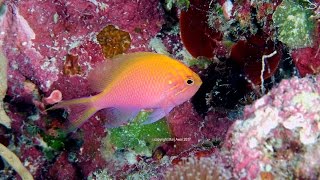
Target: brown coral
[71,66]
[113,41]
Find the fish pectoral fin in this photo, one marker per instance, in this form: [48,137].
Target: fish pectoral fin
[119,116]
[156,115]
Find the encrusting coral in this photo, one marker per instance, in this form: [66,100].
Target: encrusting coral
[113,41]
[279,131]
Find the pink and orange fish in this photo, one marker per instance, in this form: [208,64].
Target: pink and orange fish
[133,82]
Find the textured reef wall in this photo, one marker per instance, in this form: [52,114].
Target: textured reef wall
[256,115]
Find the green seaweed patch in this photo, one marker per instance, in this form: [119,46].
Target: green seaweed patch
[55,144]
[32,129]
[201,62]
[181,4]
[139,137]
[51,144]
[295,24]
[3,8]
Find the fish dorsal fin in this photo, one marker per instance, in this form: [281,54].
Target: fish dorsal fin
[105,72]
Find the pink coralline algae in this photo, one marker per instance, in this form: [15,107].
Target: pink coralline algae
[198,168]
[280,130]
[90,157]
[33,159]
[51,46]
[37,37]
[62,169]
[190,130]
[307,59]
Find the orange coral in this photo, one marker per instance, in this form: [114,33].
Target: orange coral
[266,176]
[71,66]
[113,41]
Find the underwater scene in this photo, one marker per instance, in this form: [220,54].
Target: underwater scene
[159,89]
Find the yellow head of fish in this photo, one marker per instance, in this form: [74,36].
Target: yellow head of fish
[184,83]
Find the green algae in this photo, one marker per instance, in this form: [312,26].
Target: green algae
[32,130]
[99,175]
[295,24]
[201,62]
[3,9]
[143,139]
[52,145]
[56,143]
[181,4]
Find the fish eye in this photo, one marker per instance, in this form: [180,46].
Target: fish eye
[190,81]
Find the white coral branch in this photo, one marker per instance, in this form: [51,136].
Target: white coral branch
[15,163]
[4,119]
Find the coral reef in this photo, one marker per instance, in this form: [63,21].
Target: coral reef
[189,129]
[279,132]
[241,124]
[202,168]
[63,169]
[47,42]
[67,29]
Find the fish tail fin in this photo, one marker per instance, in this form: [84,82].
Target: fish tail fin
[80,110]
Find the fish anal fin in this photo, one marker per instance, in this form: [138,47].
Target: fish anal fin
[80,110]
[78,115]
